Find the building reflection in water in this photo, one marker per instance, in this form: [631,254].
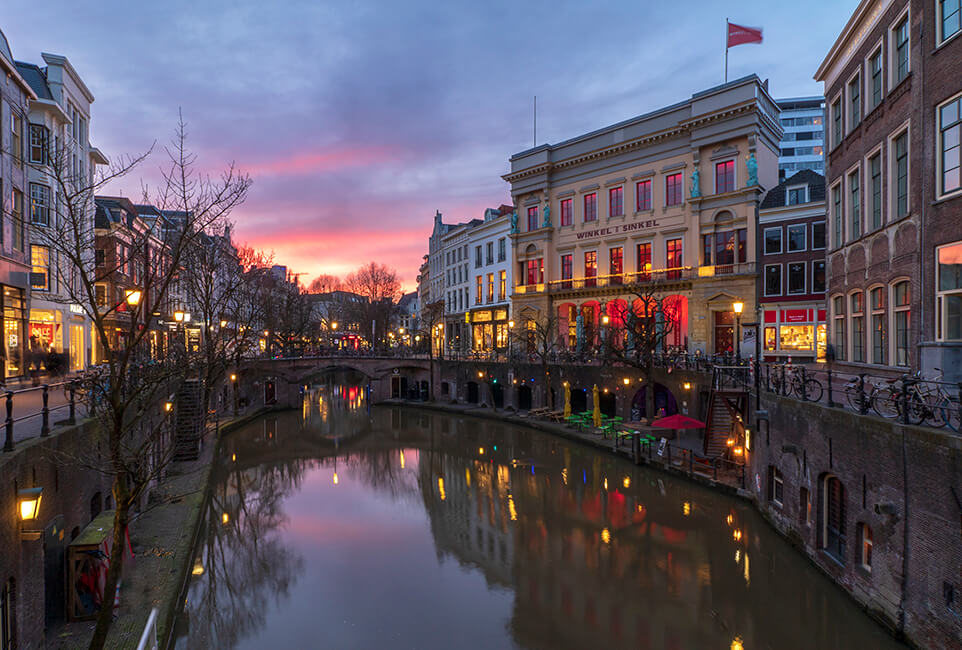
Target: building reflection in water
[596,552]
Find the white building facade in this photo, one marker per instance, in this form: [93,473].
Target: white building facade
[489,312]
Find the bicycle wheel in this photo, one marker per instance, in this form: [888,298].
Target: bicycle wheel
[950,412]
[886,403]
[852,397]
[936,410]
[813,389]
[918,410]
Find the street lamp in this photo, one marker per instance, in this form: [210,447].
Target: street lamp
[132,296]
[29,510]
[737,307]
[179,316]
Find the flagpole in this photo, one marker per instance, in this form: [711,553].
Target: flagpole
[726,50]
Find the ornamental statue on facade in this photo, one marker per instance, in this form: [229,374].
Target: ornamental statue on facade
[752,165]
[514,223]
[547,216]
[695,189]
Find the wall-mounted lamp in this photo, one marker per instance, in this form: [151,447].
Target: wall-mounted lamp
[28,501]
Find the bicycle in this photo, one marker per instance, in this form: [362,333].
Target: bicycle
[806,387]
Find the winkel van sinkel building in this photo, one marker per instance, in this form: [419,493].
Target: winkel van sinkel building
[668,199]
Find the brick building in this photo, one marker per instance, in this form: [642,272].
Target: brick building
[893,86]
[791,260]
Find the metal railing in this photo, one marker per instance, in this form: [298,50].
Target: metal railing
[148,639]
[70,387]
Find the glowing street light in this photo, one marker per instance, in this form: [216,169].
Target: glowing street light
[179,316]
[737,307]
[132,296]
[30,503]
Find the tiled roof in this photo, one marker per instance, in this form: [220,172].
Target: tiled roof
[816,189]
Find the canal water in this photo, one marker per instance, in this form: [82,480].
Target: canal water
[344,526]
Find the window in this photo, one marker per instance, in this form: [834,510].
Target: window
[837,214]
[858,327]
[875,66]
[489,253]
[773,280]
[838,336]
[949,292]
[901,150]
[532,218]
[477,257]
[865,546]
[616,202]
[776,485]
[879,343]
[875,181]
[818,236]
[40,261]
[818,276]
[502,254]
[643,254]
[854,211]
[796,195]
[38,144]
[643,195]
[616,258]
[566,271]
[478,289]
[39,204]
[833,513]
[16,200]
[950,129]
[502,285]
[730,248]
[673,189]
[725,177]
[902,311]
[591,207]
[16,137]
[948,19]
[490,287]
[591,268]
[796,237]
[535,273]
[900,40]
[100,257]
[673,258]
[773,240]
[566,212]
[796,277]
[836,122]
[854,102]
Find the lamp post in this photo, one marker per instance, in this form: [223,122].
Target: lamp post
[737,307]
[508,341]
[604,332]
[132,298]
[233,381]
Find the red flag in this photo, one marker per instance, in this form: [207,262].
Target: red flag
[738,35]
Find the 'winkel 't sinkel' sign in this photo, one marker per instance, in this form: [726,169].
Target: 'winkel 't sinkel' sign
[614,230]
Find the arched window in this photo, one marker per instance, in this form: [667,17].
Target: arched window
[832,511]
[901,313]
[8,615]
[865,546]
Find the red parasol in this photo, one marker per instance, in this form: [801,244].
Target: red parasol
[678,421]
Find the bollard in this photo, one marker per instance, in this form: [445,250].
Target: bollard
[8,445]
[45,413]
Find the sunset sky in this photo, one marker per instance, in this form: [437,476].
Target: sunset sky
[357,120]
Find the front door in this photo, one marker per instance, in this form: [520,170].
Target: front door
[724,332]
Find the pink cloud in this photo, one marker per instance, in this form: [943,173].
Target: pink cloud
[321,161]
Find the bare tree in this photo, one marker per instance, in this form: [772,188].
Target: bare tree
[325,283]
[536,338]
[147,257]
[379,285]
[638,331]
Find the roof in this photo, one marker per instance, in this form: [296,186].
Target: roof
[407,298]
[816,189]
[111,209]
[35,76]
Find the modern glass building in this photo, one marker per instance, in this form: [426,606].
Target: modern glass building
[802,145]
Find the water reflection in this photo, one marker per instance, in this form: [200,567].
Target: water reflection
[441,531]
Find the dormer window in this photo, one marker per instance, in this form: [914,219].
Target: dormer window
[796,195]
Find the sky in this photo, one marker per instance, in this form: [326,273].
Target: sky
[357,120]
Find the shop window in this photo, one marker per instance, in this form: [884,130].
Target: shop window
[771,338]
[796,337]
[865,546]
